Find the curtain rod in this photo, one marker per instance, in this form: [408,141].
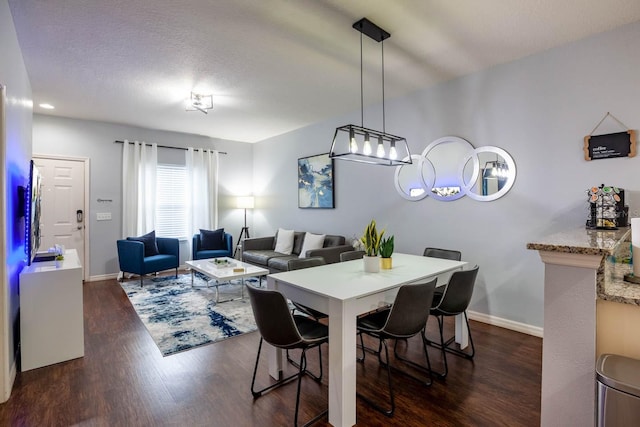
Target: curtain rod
[167,146]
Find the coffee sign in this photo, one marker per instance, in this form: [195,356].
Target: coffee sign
[620,144]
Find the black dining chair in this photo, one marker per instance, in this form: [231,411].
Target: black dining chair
[443,253]
[406,318]
[452,301]
[297,264]
[281,329]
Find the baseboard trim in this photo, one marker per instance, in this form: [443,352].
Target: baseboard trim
[536,331]
[181,269]
[103,277]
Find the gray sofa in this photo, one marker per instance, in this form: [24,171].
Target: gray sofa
[260,251]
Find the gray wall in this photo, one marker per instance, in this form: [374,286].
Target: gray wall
[15,171]
[95,140]
[538,109]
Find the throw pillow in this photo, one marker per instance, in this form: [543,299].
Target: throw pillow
[284,241]
[311,241]
[149,241]
[212,240]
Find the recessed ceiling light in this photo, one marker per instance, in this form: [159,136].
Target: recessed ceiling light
[47,106]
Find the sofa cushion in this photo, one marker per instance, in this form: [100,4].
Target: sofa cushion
[311,241]
[214,253]
[284,241]
[280,263]
[212,240]
[332,240]
[259,257]
[149,241]
[298,241]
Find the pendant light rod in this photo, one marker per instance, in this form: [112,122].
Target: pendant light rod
[361,87]
[371,30]
[383,117]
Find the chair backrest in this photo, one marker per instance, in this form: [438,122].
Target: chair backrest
[298,263]
[410,309]
[351,255]
[443,253]
[458,292]
[273,318]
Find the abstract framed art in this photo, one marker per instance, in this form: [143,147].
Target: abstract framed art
[315,182]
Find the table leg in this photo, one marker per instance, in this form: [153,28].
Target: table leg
[192,278]
[462,334]
[342,364]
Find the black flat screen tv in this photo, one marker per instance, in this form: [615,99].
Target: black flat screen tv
[33,210]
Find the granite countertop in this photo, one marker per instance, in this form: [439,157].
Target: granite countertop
[610,284]
[582,241]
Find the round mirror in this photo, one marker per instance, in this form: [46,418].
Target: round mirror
[444,154]
[409,178]
[487,173]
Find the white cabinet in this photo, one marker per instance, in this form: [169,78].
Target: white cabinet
[51,318]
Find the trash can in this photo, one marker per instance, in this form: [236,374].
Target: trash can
[617,391]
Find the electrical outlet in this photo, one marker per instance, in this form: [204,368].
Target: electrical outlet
[103,216]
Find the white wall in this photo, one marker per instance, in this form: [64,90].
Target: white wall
[16,153]
[538,109]
[95,140]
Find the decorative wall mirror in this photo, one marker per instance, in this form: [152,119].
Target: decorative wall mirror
[487,173]
[445,154]
[409,179]
[450,168]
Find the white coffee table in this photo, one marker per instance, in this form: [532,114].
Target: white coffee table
[221,275]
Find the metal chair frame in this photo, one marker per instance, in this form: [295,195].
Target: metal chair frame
[442,309]
[410,299]
[299,343]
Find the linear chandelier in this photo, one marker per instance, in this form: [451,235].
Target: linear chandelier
[359,144]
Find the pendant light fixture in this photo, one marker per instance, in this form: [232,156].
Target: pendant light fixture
[356,143]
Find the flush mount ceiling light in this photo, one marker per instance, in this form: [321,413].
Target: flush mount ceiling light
[360,144]
[200,102]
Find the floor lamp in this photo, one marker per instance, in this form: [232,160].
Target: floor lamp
[246,202]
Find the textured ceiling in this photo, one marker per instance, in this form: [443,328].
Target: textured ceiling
[274,65]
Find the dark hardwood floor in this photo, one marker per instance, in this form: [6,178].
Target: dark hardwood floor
[123,380]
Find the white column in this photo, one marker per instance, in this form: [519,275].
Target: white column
[569,342]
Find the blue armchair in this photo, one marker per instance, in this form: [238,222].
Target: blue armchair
[132,260]
[198,253]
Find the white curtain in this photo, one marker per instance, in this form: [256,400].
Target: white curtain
[202,193]
[139,164]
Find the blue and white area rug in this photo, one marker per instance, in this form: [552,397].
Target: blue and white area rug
[180,317]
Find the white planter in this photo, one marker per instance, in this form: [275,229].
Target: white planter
[371,264]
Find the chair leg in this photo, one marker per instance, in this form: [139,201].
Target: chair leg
[317,378]
[370,350]
[442,347]
[141,279]
[462,353]
[415,365]
[258,393]
[388,412]
[450,341]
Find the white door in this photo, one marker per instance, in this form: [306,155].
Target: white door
[63,204]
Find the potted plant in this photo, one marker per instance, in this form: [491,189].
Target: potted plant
[386,250]
[371,241]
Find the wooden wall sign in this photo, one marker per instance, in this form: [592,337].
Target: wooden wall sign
[620,144]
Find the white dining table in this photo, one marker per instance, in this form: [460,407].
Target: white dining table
[344,291]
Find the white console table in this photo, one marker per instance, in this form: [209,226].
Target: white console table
[51,317]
